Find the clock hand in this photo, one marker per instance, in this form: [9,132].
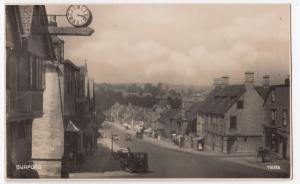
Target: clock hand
[82,16]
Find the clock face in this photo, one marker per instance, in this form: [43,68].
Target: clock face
[79,15]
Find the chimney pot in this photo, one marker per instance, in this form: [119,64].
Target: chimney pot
[216,82]
[287,80]
[224,81]
[249,77]
[266,81]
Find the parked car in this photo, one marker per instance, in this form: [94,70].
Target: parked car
[134,161]
[139,135]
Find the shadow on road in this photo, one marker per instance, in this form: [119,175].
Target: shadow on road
[100,161]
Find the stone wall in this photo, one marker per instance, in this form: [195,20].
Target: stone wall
[249,119]
[48,131]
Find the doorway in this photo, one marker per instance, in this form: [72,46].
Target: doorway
[230,144]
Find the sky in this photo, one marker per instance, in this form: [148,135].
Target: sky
[182,44]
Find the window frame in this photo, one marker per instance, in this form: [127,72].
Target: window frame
[231,122]
[284,117]
[240,104]
[273,116]
[36,73]
[273,96]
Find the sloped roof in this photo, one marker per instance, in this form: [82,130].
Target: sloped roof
[80,122]
[187,106]
[169,114]
[176,114]
[261,91]
[71,127]
[274,87]
[37,43]
[221,99]
[70,63]
[194,109]
[164,115]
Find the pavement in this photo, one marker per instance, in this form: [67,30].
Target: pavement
[166,161]
[170,145]
[247,159]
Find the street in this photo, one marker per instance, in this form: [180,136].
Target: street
[163,163]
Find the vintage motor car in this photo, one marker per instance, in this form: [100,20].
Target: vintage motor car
[139,135]
[134,162]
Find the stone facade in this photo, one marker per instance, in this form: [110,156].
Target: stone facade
[48,131]
[25,81]
[200,126]
[233,123]
[277,120]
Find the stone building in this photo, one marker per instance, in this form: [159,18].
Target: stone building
[277,120]
[59,106]
[73,147]
[49,129]
[26,54]
[85,118]
[167,122]
[233,116]
[195,126]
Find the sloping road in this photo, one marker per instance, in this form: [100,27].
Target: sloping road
[168,163]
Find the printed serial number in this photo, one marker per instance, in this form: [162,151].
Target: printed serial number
[273,167]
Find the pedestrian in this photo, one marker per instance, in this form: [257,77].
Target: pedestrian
[181,141]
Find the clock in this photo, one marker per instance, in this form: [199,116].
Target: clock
[79,15]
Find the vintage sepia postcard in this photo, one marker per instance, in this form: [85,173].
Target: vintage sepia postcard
[148,91]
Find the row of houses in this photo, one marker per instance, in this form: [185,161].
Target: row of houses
[241,118]
[232,119]
[50,102]
[238,118]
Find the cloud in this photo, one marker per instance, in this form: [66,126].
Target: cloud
[179,45]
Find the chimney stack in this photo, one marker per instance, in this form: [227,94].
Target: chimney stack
[216,82]
[224,81]
[266,81]
[287,80]
[249,78]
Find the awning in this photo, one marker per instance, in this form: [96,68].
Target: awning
[198,138]
[148,130]
[125,125]
[71,127]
